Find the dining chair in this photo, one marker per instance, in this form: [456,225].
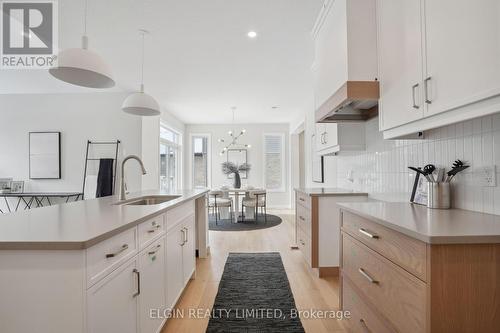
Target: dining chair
[215,201]
[256,199]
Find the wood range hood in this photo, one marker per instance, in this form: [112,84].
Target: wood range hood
[355,101]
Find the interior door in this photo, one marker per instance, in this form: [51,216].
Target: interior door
[400,61]
[153,295]
[112,302]
[189,249]
[174,264]
[462,52]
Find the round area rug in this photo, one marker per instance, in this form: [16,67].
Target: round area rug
[227,225]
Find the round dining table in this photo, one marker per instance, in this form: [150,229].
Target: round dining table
[236,193]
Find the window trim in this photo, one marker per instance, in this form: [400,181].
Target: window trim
[281,189]
[209,158]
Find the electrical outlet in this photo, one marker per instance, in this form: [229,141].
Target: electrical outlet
[486,176]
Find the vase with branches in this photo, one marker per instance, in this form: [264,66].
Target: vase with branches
[229,168]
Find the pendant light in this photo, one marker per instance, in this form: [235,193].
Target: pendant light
[82,67]
[140,103]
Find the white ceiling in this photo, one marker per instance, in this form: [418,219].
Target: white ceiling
[199,61]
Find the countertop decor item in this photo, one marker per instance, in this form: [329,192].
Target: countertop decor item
[140,103]
[82,67]
[17,186]
[229,168]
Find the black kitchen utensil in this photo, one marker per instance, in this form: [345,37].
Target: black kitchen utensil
[454,171]
[429,169]
[419,171]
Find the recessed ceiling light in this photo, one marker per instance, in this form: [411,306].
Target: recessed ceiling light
[252,34]
[274,107]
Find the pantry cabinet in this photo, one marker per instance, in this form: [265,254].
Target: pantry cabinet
[439,63]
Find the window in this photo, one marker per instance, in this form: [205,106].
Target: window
[170,159]
[200,155]
[274,162]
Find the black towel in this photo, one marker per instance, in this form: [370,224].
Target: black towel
[105,178]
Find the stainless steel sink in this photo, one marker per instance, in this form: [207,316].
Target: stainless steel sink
[149,200]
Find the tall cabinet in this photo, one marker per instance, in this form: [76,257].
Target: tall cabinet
[439,62]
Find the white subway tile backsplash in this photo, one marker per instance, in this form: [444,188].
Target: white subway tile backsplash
[383,169]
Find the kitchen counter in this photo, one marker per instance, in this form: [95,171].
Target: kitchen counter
[320,192]
[433,226]
[79,225]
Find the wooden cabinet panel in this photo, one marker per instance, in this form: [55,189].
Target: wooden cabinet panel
[363,317]
[399,296]
[407,252]
[400,62]
[462,52]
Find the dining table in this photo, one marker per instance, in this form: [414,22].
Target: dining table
[237,193]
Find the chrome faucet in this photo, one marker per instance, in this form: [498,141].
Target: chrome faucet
[122,183]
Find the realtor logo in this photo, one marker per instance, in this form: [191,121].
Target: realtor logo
[29,34]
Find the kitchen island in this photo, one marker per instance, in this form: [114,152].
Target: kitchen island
[407,268]
[100,265]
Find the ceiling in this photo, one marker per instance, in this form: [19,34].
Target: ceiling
[199,60]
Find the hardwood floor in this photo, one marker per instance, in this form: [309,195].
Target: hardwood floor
[309,291]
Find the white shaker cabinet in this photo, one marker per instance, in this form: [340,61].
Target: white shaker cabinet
[462,52]
[189,249]
[175,239]
[400,62]
[112,303]
[152,278]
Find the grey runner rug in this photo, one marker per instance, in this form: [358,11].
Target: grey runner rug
[254,296]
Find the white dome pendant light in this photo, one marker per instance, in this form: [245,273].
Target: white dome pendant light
[140,103]
[82,67]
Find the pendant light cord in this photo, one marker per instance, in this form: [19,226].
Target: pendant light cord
[142,63]
[85,18]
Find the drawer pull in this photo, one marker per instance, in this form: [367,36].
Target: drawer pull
[112,255]
[366,233]
[156,250]
[156,227]
[302,218]
[302,242]
[138,292]
[368,277]
[426,84]
[365,327]
[301,199]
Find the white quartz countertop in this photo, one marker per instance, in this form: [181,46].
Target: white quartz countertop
[323,191]
[433,226]
[81,224]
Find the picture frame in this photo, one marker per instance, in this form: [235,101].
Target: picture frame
[419,193]
[5,185]
[17,186]
[45,155]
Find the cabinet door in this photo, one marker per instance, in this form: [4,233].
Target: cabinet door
[189,249]
[400,61]
[174,264]
[330,137]
[462,52]
[112,302]
[320,130]
[152,270]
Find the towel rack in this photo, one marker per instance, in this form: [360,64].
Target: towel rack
[87,159]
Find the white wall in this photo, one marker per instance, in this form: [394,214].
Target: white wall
[253,136]
[79,117]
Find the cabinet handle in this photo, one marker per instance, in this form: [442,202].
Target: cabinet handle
[300,217]
[426,88]
[302,242]
[368,277]
[156,250]
[365,327]
[326,137]
[112,255]
[138,292]
[366,233]
[156,227]
[301,199]
[183,237]
[413,88]
[186,234]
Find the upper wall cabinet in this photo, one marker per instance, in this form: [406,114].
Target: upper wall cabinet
[439,62]
[345,40]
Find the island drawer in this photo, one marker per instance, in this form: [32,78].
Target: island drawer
[107,255]
[407,252]
[304,243]
[303,217]
[150,230]
[363,317]
[179,213]
[303,199]
[400,296]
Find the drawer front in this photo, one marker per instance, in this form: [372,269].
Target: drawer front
[303,218]
[398,295]
[303,199]
[150,230]
[304,243]
[363,317]
[107,255]
[179,213]
[407,252]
